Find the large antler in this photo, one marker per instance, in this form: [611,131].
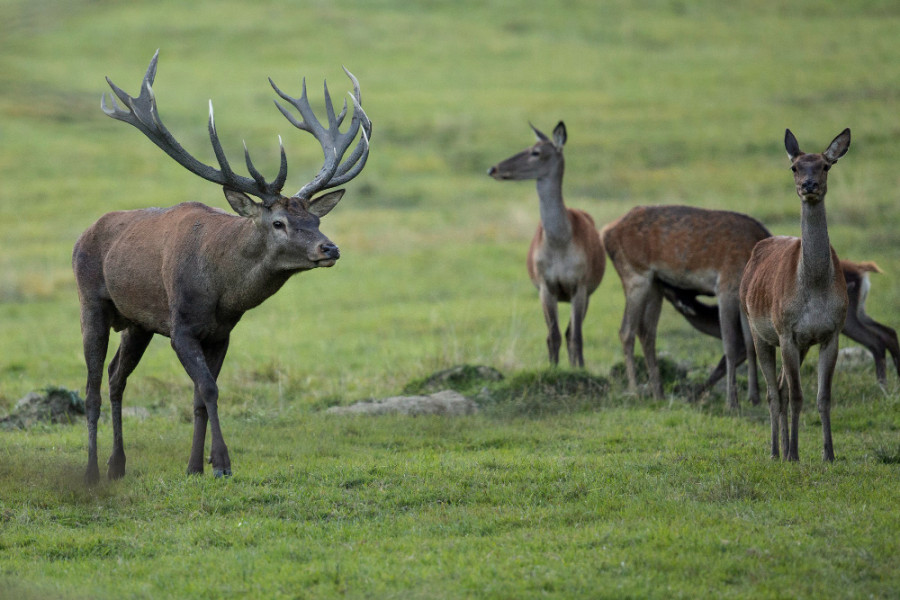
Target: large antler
[142,113]
[334,143]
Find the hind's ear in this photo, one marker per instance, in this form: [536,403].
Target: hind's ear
[838,146]
[791,145]
[559,135]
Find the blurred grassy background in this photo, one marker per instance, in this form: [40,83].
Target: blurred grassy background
[665,102]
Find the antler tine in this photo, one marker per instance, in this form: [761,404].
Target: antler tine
[334,143]
[278,183]
[329,109]
[308,121]
[142,113]
[351,167]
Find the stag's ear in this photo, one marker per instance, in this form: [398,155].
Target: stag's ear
[838,146]
[559,135]
[322,205]
[242,203]
[791,145]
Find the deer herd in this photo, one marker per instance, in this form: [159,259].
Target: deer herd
[189,272]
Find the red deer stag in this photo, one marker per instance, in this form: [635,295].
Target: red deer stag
[685,248]
[189,272]
[565,259]
[859,327]
[795,296]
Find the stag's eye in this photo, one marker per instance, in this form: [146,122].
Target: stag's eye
[793,168]
[827,167]
[278,224]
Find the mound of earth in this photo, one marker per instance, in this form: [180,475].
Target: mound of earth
[53,405]
[461,378]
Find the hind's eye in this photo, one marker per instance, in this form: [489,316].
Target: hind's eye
[794,169]
[278,224]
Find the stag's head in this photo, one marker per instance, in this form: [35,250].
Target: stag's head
[543,159]
[811,170]
[290,227]
[289,224]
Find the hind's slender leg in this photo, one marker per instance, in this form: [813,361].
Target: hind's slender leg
[766,353]
[647,335]
[637,289]
[574,337]
[827,359]
[551,317]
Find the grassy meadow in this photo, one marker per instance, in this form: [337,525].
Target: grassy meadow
[582,494]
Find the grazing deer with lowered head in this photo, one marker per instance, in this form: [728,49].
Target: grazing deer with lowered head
[795,296]
[694,250]
[860,327]
[189,272]
[877,338]
[565,259]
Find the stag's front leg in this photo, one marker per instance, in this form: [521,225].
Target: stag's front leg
[828,353]
[196,360]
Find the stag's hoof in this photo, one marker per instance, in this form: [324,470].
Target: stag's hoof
[222,472]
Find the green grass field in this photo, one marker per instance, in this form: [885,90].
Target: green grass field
[597,496]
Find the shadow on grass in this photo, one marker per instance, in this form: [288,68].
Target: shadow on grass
[50,479]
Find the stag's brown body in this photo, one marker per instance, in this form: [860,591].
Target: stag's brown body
[154,267]
[685,248]
[189,272]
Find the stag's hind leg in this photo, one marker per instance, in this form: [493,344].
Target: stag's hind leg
[95,324]
[133,343]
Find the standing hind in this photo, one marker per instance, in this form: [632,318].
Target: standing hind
[566,259]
